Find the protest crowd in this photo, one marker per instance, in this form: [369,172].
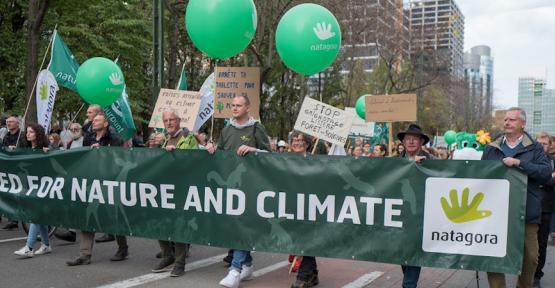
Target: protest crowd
[323,154]
[532,154]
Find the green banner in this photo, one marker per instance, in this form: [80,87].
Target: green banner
[450,214]
[62,63]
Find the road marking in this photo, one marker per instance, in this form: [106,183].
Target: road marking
[364,280]
[151,277]
[269,269]
[13,239]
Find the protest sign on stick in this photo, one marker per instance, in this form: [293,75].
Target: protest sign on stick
[235,81]
[324,121]
[185,103]
[390,108]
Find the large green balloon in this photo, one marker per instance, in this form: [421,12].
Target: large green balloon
[221,28]
[99,81]
[308,38]
[450,137]
[360,107]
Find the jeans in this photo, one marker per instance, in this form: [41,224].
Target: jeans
[34,230]
[240,258]
[553,222]
[410,276]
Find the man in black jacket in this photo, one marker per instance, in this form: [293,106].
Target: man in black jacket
[518,149]
[547,209]
[10,141]
[101,137]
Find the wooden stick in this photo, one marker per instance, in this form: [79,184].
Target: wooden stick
[315,146]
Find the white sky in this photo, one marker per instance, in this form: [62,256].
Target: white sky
[521,34]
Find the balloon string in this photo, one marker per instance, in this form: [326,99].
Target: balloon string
[36,80]
[214,112]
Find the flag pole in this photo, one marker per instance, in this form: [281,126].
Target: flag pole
[36,79]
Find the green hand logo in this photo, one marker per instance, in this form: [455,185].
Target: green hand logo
[220,106]
[463,212]
[43,91]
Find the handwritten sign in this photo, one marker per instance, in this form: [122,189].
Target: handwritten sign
[185,103]
[235,81]
[390,108]
[324,121]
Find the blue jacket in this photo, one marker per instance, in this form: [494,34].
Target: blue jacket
[534,163]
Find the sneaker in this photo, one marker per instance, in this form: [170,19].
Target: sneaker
[246,272]
[164,265]
[82,260]
[232,279]
[25,252]
[43,250]
[178,270]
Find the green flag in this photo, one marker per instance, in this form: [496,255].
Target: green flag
[121,119]
[64,67]
[182,83]
[62,63]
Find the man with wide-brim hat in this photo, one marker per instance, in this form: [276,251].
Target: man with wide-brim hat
[413,139]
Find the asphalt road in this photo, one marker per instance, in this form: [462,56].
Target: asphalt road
[204,269]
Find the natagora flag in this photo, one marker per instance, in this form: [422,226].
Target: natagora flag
[64,67]
[62,63]
[46,96]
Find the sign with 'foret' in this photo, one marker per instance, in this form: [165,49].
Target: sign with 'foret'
[390,108]
[185,103]
[324,121]
[236,81]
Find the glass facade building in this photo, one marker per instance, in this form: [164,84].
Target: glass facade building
[478,74]
[539,104]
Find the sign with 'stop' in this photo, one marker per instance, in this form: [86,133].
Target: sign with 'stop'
[390,108]
[185,103]
[324,121]
[236,81]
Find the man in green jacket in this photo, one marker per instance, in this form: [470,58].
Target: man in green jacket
[176,139]
[243,135]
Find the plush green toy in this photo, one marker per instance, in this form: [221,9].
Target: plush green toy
[468,140]
[470,146]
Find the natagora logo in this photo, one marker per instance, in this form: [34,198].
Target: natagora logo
[466,216]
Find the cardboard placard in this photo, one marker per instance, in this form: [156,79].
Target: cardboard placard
[185,103]
[390,108]
[232,81]
[324,121]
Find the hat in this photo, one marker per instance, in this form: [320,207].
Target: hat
[414,130]
[282,143]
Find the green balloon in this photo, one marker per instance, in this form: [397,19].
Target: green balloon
[360,107]
[450,137]
[99,81]
[308,38]
[221,28]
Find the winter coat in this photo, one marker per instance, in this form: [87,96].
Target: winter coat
[534,163]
